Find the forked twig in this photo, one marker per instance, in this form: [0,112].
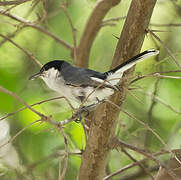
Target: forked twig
[165,46]
[118,143]
[38,103]
[19,132]
[21,101]
[27,23]
[140,122]
[157,74]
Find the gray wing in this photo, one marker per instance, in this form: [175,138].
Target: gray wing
[82,77]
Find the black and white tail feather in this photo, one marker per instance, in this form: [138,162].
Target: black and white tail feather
[115,74]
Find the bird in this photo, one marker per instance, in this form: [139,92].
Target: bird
[82,85]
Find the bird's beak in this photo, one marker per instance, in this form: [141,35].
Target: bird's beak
[35,76]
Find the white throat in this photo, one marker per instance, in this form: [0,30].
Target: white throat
[50,77]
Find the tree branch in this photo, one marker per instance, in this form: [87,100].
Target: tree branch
[74,31]
[120,143]
[30,55]
[91,29]
[104,122]
[23,108]
[141,165]
[17,2]
[21,101]
[165,46]
[30,24]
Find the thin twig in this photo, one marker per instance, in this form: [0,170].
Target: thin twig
[19,132]
[158,99]
[11,35]
[166,25]
[49,157]
[154,30]
[134,96]
[91,29]
[135,164]
[16,2]
[62,174]
[113,19]
[44,13]
[23,108]
[144,169]
[21,101]
[148,155]
[150,113]
[109,22]
[52,35]
[43,117]
[139,174]
[30,55]
[30,24]
[147,127]
[122,170]
[107,82]
[157,74]
[139,121]
[64,7]
[165,46]
[60,167]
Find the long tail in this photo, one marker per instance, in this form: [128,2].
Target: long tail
[119,70]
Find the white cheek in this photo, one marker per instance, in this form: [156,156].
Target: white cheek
[51,73]
[50,77]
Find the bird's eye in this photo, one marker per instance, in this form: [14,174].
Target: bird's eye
[42,69]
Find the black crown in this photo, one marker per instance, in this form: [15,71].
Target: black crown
[57,64]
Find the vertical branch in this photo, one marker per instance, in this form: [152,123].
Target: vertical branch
[133,33]
[91,29]
[104,122]
[150,112]
[74,31]
[154,102]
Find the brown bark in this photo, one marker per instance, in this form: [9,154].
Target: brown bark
[92,28]
[17,2]
[174,165]
[104,122]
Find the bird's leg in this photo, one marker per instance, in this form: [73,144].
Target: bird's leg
[117,88]
[98,101]
[79,119]
[80,112]
[85,110]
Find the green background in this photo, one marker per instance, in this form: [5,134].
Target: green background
[38,142]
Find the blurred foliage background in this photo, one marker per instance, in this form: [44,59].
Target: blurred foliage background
[35,152]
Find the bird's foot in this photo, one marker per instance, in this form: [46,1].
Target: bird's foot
[85,110]
[118,88]
[81,112]
[78,120]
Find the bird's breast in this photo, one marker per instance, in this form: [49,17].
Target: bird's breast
[88,95]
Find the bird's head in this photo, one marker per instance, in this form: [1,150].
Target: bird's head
[49,70]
